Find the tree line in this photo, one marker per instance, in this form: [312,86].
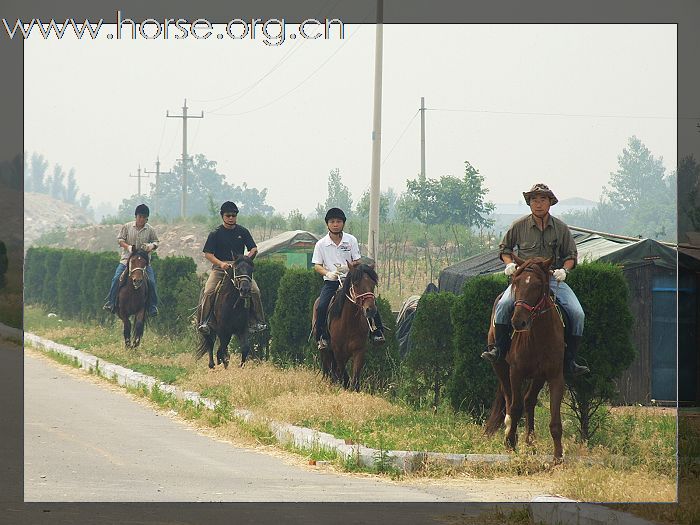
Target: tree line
[55,183]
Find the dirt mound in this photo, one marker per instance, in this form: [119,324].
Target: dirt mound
[44,214]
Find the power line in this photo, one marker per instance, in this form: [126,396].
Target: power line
[400,136]
[295,87]
[541,114]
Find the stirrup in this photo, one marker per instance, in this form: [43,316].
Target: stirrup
[378,339]
[575,370]
[322,343]
[204,329]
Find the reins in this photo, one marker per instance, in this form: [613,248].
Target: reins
[538,309]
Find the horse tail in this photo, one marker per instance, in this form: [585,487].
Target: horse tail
[498,412]
[205,343]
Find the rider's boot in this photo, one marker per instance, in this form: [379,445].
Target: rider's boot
[501,345]
[571,368]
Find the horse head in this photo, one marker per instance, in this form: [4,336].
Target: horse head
[137,263]
[530,288]
[241,274]
[359,288]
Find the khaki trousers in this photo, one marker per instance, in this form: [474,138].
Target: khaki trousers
[215,277]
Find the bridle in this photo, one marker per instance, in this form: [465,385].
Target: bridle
[238,277]
[539,308]
[358,299]
[141,269]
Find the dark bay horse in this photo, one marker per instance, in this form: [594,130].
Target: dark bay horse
[132,297]
[350,316]
[536,354]
[230,314]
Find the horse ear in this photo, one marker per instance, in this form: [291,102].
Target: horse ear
[354,264]
[518,260]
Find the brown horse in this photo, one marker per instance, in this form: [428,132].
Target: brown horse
[350,317]
[230,314]
[536,354]
[132,297]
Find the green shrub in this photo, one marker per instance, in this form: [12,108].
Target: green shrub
[49,291]
[104,267]
[178,293]
[430,362]
[34,264]
[607,339]
[380,373]
[291,320]
[472,385]
[69,283]
[268,275]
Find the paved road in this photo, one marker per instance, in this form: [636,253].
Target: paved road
[86,441]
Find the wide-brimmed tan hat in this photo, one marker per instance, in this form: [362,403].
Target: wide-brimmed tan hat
[542,189]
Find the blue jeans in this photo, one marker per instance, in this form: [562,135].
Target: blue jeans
[152,300]
[565,297]
[327,293]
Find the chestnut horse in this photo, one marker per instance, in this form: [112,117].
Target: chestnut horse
[536,353]
[350,317]
[132,297]
[230,314]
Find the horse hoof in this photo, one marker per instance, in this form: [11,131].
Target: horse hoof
[226,364]
[242,365]
[211,366]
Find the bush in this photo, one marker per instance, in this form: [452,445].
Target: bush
[34,264]
[3,263]
[178,293]
[430,362]
[69,282]
[291,320]
[268,275]
[52,263]
[381,369]
[607,340]
[472,385]
[104,267]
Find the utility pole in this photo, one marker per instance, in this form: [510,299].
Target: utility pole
[422,137]
[185,158]
[373,236]
[157,173]
[139,177]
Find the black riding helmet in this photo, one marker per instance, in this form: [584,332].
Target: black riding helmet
[228,207]
[335,213]
[142,209]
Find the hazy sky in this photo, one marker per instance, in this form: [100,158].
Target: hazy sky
[522,103]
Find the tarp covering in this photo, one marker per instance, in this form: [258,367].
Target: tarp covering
[591,247]
[405,319]
[286,240]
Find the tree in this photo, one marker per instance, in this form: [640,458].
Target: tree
[295,220]
[56,190]
[338,196]
[71,190]
[362,209]
[35,178]
[643,193]
[689,204]
[448,200]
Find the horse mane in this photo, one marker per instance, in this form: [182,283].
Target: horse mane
[141,253]
[354,276]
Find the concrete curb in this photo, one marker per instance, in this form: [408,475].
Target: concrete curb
[556,510]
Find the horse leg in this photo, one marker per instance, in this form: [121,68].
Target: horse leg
[138,327]
[556,394]
[222,352]
[530,402]
[244,340]
[127,331]
[341,374]
[514,409]
[358,361]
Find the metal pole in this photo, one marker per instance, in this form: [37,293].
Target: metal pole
[422,136]
[156,204]
[373,236]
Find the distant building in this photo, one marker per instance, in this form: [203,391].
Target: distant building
[293,248]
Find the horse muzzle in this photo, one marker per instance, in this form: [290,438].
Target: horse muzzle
[137,283]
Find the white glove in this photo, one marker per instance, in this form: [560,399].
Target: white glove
[332,276]
[559,274]
[343,269]
[130,249]
[510,268]
[148,247]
